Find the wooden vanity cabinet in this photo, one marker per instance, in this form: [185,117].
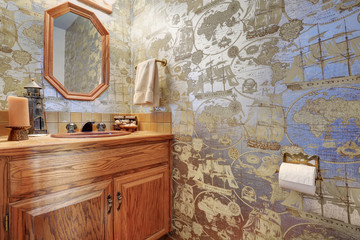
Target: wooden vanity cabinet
[108,192]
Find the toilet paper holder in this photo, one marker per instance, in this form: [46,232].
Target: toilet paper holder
[301,158]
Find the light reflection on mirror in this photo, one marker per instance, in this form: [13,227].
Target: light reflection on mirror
[77,53]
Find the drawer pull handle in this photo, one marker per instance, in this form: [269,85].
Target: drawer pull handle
[109,200]
[119,197]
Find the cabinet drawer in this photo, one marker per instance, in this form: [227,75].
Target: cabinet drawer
[43,173]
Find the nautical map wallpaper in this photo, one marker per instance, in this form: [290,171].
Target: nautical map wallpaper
[248,81]
[21,55]
[83,56]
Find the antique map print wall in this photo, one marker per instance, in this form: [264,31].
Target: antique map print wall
[247,81]
[82,56]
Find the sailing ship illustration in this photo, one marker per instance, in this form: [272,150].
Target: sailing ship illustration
[184,40]
[263,224]
[264,127]
[336,203]
[220,72]
[186,122]
[323,56]
[341,198]
[263,17]
[184,202]
[216,172]
[328,196]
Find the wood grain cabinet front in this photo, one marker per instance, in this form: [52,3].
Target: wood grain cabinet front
[142,205]
[79,213]
[136,208]
[127,198]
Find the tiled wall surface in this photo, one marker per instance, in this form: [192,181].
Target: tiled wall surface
[157,121]
[56,121]
[4,121]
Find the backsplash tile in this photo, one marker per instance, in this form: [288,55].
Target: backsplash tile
[160,127]
[4,131]
[159,117]
[64,117]
[152,117]
[62,127]
[146,117]
[75,117]
[52,127]
[167,117]
[106,117]
[4,117]
[56,121]
[96,117]
[85,117]
[78,124]
[144,126]
[167,128]
[52,117]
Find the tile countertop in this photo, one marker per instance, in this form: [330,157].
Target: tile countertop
[46,143]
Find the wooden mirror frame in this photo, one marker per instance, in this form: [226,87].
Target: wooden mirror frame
[50,15]
[101,5]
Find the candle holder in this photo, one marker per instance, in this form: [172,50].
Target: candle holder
[18,133]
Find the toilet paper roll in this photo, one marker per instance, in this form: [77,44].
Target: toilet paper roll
[303,188]
[298,177]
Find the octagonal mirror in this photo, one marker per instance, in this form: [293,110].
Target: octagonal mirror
[76,52]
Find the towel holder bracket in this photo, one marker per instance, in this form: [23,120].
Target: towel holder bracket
[301,158]
[163,62]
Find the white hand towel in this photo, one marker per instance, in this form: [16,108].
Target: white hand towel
[147,84]
[298,177]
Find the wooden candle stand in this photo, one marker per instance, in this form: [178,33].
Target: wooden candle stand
[18,133]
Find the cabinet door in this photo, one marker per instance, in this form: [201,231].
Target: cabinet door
[144,209]
[78,213]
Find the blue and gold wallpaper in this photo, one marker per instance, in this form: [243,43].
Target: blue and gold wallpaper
[248,81]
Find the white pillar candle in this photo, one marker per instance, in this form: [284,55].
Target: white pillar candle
[18,108]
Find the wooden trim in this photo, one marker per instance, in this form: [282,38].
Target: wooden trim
[43,145]
[101,6]
[170,184]
[3,195]
[50,15]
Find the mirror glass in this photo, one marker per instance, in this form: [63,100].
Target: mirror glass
[77,53]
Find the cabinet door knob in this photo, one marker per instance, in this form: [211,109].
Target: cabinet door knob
[109,200]
[119,197]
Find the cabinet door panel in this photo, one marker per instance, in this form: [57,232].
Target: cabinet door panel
[144,210]
[79,213]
